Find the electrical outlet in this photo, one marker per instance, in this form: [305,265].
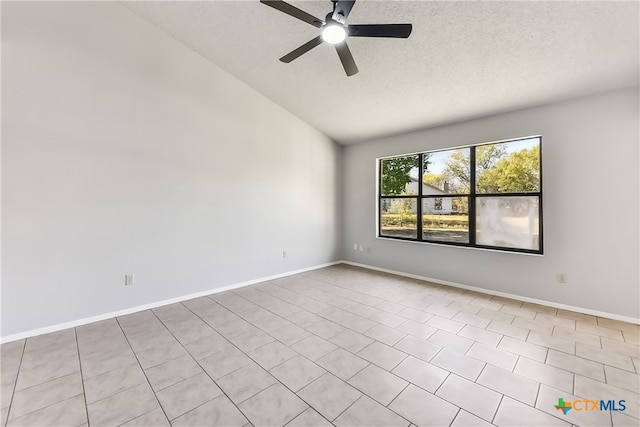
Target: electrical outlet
[284,254]
[355,246]
[561,277]
[128,279]
[360,248]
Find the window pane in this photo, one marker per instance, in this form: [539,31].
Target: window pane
[398,218]
[509,222]
[446,172]
[445,219]
[508,167]
[399,176]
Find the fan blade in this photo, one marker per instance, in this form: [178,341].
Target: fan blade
[346,58]
[294,11]
[380,30]
[342,10]
[301,50]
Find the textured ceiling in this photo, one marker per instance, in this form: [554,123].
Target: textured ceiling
[463,60]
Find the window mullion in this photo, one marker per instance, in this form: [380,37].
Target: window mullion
[419,201]
[472,196]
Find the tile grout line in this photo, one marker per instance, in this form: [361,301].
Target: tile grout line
[535,402]
[401,391]
[298,354]
[498,408]
[611,417]
[534,406]
[143,373]
[296,394]
[288,346]
[439,386]
[298,414]
[338,307]
[139,416]
[15,384]
[448,401]
[456,416]
[310,407]
[285,318]
[198,363]
[515,398]
[201,367]
[356,401]
[516,364]
[84,394]
[435,355]
[51,404]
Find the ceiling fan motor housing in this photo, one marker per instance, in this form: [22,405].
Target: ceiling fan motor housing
[335,30]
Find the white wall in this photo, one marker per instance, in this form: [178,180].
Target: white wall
[125,152]
[590,195]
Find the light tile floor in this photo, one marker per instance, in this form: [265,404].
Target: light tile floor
[340,345]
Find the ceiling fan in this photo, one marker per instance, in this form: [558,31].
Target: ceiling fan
[335,30]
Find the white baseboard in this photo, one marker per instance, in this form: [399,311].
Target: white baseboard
[86,320]
[501,294]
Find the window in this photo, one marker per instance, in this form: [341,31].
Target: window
[485,196]
[437,203]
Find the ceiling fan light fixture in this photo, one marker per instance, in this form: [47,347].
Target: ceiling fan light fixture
[334,29]
[334,34]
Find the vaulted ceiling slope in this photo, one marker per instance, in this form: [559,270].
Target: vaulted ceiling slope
[463,60]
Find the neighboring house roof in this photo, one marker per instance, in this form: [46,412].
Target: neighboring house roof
[433,189]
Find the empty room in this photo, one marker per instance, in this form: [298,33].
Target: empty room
[315,213]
